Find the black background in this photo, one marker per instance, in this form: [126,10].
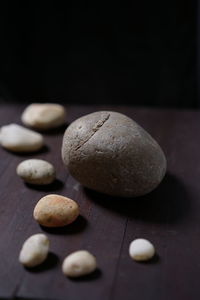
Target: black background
[141,54]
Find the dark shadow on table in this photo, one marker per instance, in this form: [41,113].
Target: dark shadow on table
[56,185]
[50,262]
[168,203]
[26,155]
[55,131]
[154,260]
[77,226]
[92,276]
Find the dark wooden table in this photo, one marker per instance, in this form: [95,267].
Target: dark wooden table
[169,217]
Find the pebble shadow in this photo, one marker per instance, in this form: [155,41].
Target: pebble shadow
[168,203]
[56,185]
[54,131]
[25,155]
[51,262]
[93,276]
[77,226]
[154,260]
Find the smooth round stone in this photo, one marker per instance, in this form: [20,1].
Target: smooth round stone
[108,152]
[36,171]
[79,263]
[34,250]
[44,115]
[55,211]
[141,250]
[17,138]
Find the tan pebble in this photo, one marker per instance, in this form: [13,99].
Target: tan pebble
[79,263]
[44,115]
[16,138]
[36,171]
[55,211]
[34,250]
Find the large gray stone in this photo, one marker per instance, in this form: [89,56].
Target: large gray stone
[110,153]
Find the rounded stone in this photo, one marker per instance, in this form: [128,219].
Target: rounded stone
[55,211]
[17,138]
[79,263]
[44,116]
[108,152]
[34,250]
[141,250]
[36,171]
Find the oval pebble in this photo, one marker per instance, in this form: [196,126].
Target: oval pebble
[79,263]
[34,250]
[44,115]
[36,171]
[141,250]
[17,138]
[55,211]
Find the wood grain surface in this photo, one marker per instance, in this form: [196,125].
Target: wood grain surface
[169,217]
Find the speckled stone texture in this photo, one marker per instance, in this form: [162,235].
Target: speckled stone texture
[108,152]
[36,171]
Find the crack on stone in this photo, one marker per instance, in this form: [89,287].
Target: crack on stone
[95,128]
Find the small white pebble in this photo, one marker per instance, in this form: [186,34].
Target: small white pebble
[79,263]
[141,250]
[36,171]
[17,138]
[34,250]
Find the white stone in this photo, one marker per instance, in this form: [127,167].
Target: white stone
[141,250]
[44,115]
[16,138]
[34,250]
[79,263]
[36,171]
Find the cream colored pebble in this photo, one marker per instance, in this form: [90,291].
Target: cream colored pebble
[55,211]
[79,263]
[44,115]
[141,250]
[17,138]
[34,250]
[36,171]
